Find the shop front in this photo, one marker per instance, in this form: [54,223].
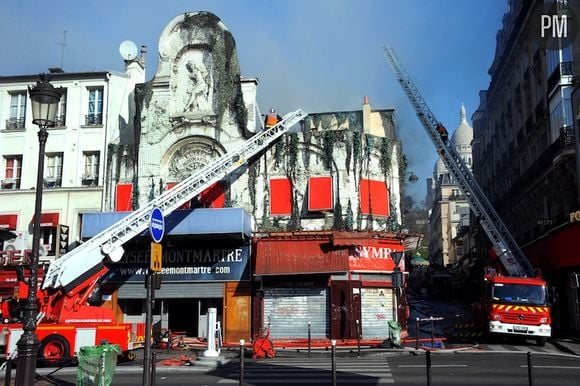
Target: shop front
[206,264]
[337,284]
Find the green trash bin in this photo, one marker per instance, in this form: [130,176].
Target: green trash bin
[394,333]
[97,364]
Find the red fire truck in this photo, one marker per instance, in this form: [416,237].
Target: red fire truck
[67,320]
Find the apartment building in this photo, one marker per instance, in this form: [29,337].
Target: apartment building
[525,150]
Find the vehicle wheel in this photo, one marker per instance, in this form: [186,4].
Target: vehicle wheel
[54,350]
[131,356]
[541,341]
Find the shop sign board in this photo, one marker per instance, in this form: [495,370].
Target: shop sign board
[183,265]
[374,258]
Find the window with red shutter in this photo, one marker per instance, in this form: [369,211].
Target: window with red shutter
[374,197]
[280,197]
[320,195]
[124,202]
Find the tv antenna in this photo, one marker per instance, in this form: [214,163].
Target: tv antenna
[63,45]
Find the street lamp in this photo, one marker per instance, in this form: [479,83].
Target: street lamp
[412,177]
[45,99]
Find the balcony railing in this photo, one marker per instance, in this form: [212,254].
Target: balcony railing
[90,180]
[15,123]
[93,119]
[563,69]
[10,183]
[567,136]
[52,182]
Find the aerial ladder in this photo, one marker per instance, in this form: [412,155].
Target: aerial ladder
[86,260]
[505,247]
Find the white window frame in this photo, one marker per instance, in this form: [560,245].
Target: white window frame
[18,105]
[54,164]
[95,104]
[91,161]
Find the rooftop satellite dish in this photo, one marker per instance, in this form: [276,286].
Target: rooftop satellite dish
[128,50]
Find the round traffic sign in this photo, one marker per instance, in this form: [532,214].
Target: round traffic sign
[157,225]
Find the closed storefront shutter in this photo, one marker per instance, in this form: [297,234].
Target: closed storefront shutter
[174,291]
[290,309]
[376,310]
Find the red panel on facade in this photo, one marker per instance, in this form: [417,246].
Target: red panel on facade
[320,193]
[280,196]
[374,197]
[560,249]
[8,221]
[299,256]
[124,201]
[214,196]
[48,220]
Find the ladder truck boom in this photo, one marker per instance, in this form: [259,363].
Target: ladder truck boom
[506,248]
[71,268]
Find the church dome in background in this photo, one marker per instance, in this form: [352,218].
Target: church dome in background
[463,135]
[439,168]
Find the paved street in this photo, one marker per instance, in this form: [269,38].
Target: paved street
[460,368]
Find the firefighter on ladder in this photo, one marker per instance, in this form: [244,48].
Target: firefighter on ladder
[272,118]
[442,132]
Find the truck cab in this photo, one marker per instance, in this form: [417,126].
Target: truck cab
[516,306]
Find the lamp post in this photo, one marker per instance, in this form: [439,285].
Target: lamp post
[397,279]
[44,98]
[413,178]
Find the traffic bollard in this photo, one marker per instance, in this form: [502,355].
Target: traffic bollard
[432,333]
[358,338]
[242,344]
[153,357]
[333,343]
[428,368]
[417,334]
[8,376]
[530,370]
[309,337]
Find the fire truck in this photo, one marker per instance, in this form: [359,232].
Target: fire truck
[515,300]
[67,319]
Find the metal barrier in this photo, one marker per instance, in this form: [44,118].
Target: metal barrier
[431,321]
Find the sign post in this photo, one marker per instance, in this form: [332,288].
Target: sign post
[157,230]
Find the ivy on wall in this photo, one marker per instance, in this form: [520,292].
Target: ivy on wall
[325,135]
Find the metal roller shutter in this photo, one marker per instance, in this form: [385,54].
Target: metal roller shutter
[290,309]
[376,310]
[174,291]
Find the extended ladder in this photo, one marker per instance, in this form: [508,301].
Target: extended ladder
[506,248]
[72,266]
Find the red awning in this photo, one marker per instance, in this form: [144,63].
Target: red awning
[48,220]
[8,221]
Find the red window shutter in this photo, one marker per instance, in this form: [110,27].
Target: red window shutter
[280,197]
[214,196]
[374,197]
[320,193]
[124,201]
[187,205]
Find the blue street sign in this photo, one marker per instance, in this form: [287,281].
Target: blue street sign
[157,225]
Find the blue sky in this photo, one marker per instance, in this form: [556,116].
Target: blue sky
[318,55]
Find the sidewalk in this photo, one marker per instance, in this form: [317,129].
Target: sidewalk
[570,345]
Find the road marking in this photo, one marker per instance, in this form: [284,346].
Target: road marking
[423,366]
[553,367]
